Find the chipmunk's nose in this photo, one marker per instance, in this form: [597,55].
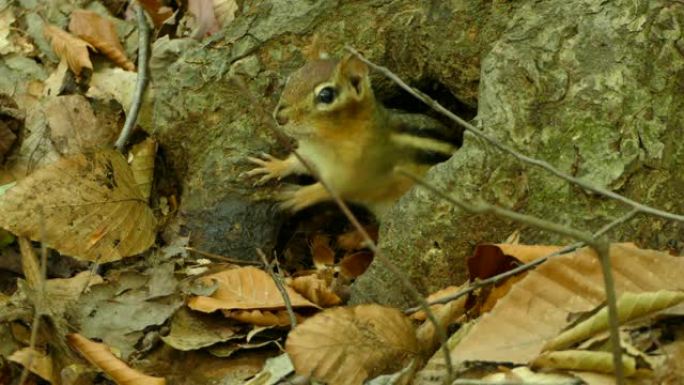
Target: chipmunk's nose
[280,115]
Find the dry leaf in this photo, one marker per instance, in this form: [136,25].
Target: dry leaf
[536,309]
[275,370]
[439,294]
[262,317]
[321,252]
[244,288]
[69,48]
[100,356]
[101,33]
[29,264]
[225,11]
[37,362]
[354,264]
[88,205]
[74,129]
[348,345]
[527,253]
[601,362]
[445,314]
[192,330]
[141,158]
[630,306]
[315,290]
[157,11]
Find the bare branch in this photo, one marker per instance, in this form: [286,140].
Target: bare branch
[521,157]
[143,77]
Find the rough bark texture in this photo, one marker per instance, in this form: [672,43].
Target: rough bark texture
[592,87]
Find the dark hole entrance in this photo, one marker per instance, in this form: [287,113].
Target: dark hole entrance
[397,98]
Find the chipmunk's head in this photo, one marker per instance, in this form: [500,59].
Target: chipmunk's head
[323,95]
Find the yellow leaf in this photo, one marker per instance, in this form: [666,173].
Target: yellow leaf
[630,306]
[37,362]
[601,362]
[315,290]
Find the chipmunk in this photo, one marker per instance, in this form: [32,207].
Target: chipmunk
[354,143]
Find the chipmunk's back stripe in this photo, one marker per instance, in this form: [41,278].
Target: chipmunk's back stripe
[426,150]
[437,134]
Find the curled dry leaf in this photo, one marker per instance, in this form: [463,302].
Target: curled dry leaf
[69,48]
[100,356]
[37,362]
[348,345]
[101,33]
[88,205]
[354,264]
[245,288]
[261,317]
[439,294]
[630,306]
[601,362]
[315,290]
[321,252]
[141,158]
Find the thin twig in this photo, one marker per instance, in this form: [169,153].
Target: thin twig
[142,80]
[527,266]
[522,157]
[281,288]
[221,257]
[599,245]
[378,255]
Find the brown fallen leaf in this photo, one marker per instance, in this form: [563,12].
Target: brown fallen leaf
[101,33]
[321,252]
[537,308]
[439,294]
[87,204]
[354,264]
[100,356]
[245,288]
[69,48]
[37,362]
[141,157]
[315,290]
[262,317]
[192,330]
[347,345]
[158,12]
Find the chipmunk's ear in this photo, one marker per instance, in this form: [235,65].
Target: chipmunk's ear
[355,72]
[315,50]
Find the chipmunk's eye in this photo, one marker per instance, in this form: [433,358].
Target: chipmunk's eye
[326,95]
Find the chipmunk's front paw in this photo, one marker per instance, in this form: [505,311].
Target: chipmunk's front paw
[295,198]
[269,168]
